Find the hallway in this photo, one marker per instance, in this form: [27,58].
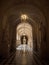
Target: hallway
[24,32]
[23,58]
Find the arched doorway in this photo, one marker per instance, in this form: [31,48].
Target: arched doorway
[24,39]
[24,35]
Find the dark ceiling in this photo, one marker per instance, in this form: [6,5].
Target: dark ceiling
[37,9]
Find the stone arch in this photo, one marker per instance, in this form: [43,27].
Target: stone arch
[28,32]
[33,12]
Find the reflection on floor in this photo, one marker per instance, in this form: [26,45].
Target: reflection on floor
[24,58]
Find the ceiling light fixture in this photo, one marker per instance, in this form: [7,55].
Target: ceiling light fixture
[24,17]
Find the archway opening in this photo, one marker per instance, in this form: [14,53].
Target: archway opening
[24,36]
[24,39]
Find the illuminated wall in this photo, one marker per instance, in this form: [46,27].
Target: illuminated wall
[24,29]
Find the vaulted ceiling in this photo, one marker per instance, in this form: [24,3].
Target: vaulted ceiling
[35,9]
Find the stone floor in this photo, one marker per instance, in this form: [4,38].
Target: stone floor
[24,58]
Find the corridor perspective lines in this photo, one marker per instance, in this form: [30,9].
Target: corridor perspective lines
[24,58]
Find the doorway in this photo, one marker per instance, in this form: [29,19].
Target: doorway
[24,39]
[24,36]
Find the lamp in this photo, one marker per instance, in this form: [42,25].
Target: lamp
[24,17]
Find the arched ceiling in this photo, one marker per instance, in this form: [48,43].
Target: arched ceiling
[12,9]
[15,12]
[23,24]
[24,28]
